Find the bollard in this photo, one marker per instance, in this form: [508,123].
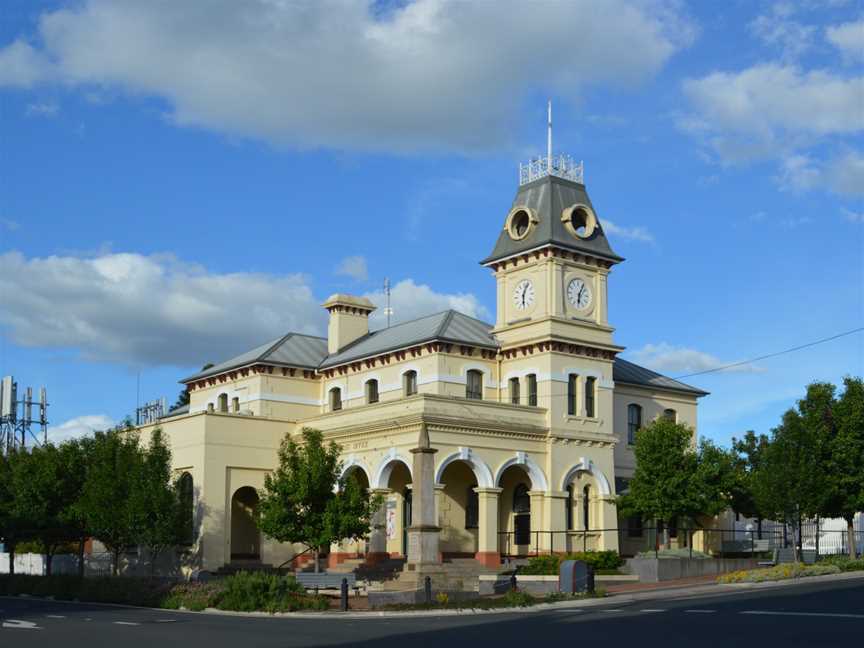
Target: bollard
[344,593]
[427,590]
[513,582]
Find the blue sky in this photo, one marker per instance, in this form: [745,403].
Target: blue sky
[182,181]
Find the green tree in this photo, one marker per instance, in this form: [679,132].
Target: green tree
[305,501]
[845,495]
[672,480]
[748,458]
[13,528]
[154,501]
[46,489]
[113,465]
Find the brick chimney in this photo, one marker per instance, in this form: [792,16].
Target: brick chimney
[349,320]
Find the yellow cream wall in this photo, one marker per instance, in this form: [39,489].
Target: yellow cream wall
[437,373]
[653,403]
[224,452]
[271,395]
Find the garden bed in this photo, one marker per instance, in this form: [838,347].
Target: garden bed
[243,592]
[829,565]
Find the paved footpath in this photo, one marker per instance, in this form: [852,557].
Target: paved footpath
[813,613]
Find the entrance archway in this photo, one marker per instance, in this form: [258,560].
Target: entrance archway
[245,536]
[458,510]
[515,511]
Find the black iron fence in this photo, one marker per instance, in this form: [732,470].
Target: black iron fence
[811,539]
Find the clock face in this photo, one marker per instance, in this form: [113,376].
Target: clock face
[578,294]
[523,295]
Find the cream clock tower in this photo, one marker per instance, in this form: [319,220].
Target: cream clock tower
[551,264]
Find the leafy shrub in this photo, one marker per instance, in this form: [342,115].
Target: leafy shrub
[251,591]
[778,572]
[518,598]
[549,565]
[442,598]
[845,563]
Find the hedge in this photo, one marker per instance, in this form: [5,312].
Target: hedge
[549,565]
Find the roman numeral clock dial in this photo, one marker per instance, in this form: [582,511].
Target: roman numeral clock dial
[523,294]
[579,294]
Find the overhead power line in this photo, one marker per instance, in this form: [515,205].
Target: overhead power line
[772,355]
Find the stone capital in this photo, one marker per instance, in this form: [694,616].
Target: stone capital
[488,491]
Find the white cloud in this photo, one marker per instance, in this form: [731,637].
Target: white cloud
[785,114]
[849,39]
[354,267]
[673,360]
[158,310]
[852,216]
[843,174]
[410,300]
[766,100]
[79,426]
[778,29]
[148,310]
[42,109]
[429,74]
[630,233]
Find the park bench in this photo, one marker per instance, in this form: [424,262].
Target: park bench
[324,580]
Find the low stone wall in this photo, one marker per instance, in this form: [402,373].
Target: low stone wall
[381,598]
[655,570]
[540,585]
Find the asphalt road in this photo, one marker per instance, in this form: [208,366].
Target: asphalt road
[812,615]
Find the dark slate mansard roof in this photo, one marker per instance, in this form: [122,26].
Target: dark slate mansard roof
[548,197]
[309,352]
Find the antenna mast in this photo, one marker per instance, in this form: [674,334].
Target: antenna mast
[387,311]
[549,135]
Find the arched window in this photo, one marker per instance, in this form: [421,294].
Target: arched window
[409,383]
[335,399]
[235,404]
[210,407]
[590,388]
[572,405]
[586,508]
[634,422]
[531,379]
[223,402]
[569,509]
[187,507]
[372,391]
[474,385]
[670,415]
[472,509]
[514,391]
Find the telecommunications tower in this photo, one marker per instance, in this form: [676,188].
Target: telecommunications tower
[19,416]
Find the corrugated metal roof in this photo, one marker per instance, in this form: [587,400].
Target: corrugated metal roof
[624,371]
[294,349]
[549,197]
[449,326]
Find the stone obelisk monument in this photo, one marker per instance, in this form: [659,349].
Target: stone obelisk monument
[424,557]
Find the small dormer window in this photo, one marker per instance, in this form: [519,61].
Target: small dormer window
[519,222]
[235,404]
[579,220]
[223,403]
[474,385]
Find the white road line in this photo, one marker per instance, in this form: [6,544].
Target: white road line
[837,615]
[648,610]
[701,611]
[129,623]
[166,620]
[610,610]
[17,624]
[54,616]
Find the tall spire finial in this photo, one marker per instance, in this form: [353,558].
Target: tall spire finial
[562,166]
